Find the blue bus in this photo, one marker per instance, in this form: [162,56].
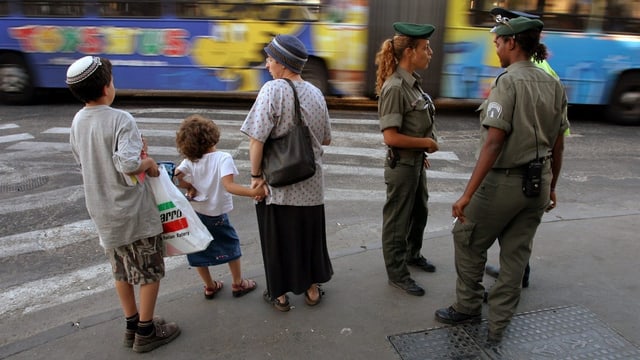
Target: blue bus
[594,47]
[217,45]
[178,45]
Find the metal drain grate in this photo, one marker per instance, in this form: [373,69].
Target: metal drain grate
[571,332]
[24,185]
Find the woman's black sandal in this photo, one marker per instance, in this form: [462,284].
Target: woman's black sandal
[284,307]
[310,301]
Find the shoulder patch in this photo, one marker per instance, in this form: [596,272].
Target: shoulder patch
[494,110]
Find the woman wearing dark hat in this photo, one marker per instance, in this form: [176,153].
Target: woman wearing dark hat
[291,218]
[513,182]
[407,124]
[502,16]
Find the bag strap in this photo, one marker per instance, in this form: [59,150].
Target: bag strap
[296,101]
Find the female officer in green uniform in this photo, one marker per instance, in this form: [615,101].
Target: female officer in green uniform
[523,121]
[407,124]
[502,15]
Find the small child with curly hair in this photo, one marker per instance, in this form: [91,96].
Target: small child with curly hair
[207,176]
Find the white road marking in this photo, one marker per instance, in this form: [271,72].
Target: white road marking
[351,195]
[57,197]
[47,239]
[58,130]
[15,137]
[8,126]
[45,293]
[41,146]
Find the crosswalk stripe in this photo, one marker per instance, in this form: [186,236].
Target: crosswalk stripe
[172,151]
[41,146]
[45,293]
[58,130]
[238,123]
[15,137]
[183,111]
[42,199]
[47,239]
[8,126]
[60,236]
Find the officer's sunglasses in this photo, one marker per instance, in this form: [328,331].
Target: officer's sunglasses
[424,102]
[503,20]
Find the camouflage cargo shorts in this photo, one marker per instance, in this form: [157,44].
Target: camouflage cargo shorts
[138,263]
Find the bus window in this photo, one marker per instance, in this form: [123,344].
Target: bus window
[46,8]
[138,9]
[287,12]
[4,8]
[622,17]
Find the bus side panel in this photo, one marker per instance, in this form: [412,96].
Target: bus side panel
[195,54]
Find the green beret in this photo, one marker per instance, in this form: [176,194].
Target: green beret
[419,31]
[517,25]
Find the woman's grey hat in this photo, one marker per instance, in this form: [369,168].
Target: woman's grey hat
[289,51]
[82,69]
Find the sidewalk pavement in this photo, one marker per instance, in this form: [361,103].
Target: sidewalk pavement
[588,262]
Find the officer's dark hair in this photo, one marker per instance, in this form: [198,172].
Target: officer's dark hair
[91,88]
[529,42]
[390,53]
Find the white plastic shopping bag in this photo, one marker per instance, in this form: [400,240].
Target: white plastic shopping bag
[183,232]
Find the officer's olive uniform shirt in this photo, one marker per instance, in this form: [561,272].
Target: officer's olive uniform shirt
[402,105]
[522,97]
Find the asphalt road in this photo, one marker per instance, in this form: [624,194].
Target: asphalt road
[50,255]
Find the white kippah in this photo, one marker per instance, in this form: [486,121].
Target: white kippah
[82,69]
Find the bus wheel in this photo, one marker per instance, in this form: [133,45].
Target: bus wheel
[16,85]
[624,107]
[315,72]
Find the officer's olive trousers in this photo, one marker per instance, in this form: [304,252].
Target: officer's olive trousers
[498,209]
[404,216]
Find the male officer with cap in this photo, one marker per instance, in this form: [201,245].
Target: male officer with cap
[407,123]
[523,121]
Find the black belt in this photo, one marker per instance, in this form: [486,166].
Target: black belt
[519,170]
[510,171]
[407,154]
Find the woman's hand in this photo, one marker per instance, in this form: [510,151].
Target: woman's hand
[260,183]
[432,147]
[427,164]
[552,201]
[457,210]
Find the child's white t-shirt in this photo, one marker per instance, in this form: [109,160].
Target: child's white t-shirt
[206,175]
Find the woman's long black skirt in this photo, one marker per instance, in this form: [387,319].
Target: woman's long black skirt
[294,247]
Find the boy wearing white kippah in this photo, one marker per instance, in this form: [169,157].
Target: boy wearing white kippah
[108,146]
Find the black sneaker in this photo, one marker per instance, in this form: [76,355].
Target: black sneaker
[409,286]
[451,316]
[162,334]
[422,263]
